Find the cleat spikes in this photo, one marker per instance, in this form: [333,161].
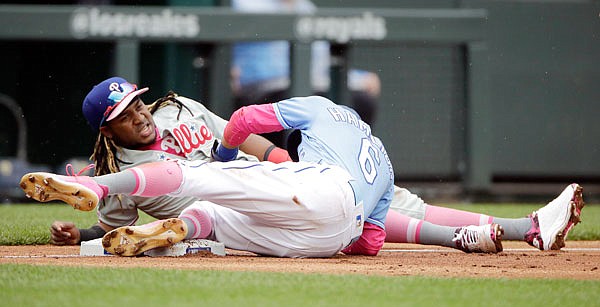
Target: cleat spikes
[45,187]
[552,223]
[119,250]
[135,240]
[106,242]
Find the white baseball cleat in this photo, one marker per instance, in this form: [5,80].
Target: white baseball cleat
[479,239]
[552,223]
[134,240]
[81,192]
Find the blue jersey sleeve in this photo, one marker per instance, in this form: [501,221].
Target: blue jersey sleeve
[299,112]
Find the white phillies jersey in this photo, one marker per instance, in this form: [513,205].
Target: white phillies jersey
[190,137]
[334,134]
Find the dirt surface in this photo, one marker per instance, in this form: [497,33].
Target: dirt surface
[579,260]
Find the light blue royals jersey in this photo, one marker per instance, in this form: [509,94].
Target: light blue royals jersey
[334,134]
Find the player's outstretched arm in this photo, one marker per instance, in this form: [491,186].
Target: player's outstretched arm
[241,132]
[264,150]
[255,119]
[66,233]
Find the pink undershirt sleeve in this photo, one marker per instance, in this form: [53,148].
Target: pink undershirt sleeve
[369,243]
[250,119]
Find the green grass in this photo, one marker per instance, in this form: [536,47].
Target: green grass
[28,224]
[588,229]
[25,285]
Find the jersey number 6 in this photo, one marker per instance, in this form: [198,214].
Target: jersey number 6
[367,158]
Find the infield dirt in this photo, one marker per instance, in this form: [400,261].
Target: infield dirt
[579,260]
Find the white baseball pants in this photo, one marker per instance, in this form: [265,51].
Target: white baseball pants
[286,210]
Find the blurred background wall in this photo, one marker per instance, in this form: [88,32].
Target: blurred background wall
[537,94]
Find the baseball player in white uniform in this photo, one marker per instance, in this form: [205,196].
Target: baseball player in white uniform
[183,129]
[188,136]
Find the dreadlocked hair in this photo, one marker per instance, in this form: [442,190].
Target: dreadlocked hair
[105,150]
[104,156]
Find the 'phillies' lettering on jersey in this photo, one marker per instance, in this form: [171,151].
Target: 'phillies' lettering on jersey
[191,137]
[167,144]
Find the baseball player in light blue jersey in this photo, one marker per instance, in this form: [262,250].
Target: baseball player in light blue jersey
[356,149]
[331,134]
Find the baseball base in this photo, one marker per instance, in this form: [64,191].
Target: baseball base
[94,248]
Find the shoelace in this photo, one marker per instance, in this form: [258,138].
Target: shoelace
[466,237]
[71,172]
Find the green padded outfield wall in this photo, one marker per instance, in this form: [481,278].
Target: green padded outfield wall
[543,73]
[541,76]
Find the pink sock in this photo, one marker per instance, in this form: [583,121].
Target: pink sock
[400,228]
[156,178]
[199,219]
[452,217]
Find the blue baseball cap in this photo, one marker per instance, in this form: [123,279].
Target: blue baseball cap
[107,100]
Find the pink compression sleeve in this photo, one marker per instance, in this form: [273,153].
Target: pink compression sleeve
[250,119]
[452,217]
[400,228]
[156,178]
[369,243]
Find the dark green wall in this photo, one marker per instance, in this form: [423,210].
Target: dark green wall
[542,68]
[544,74]
[49,80]
[421,115]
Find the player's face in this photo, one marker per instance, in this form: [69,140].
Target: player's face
[133,128]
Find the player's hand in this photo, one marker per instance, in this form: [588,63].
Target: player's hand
[64,233]
[223,154]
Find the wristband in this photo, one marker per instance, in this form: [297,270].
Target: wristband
[276,155]
[91,233]
[222,154]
